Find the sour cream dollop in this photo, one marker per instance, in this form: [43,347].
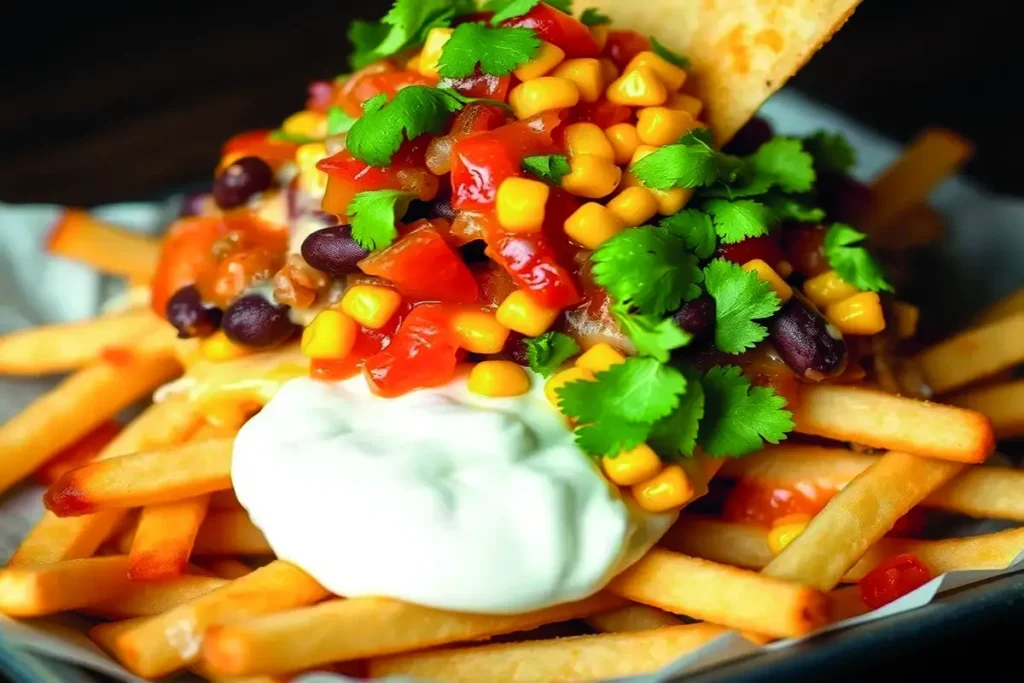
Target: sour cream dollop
[439,497]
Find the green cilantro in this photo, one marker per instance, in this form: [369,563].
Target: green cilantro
[373,214]
[593,17]
[338,121]
[691,162]
[281,136]
[737,220]
[831,151]
[647,269]
[855,264]
[548,351]
[695,229]
[651,335]
[549,167]
[792,209]
[668,55]
[676,434]
[498,51]
[783,163]
[415,110]
[509,9]
[365,36]
[406,24]
[740,299]
[738,418]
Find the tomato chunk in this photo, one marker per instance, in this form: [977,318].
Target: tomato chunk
[622,46]
[479,84]
[382,77]
[424,268]
[422,354]
[368,343]
[892,579]
[559,29]
[762,503]
[258,143]
[348,176]
[765,247]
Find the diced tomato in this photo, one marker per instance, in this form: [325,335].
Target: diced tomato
[761,503]
[622,46]
[423,268]
[765,247]
[79,453]
[602,113]
[892,579]
[559,29]
[478,117]
[804,249]
[380,77]
[422,354]
[479,84]
[258,143]
[348,176]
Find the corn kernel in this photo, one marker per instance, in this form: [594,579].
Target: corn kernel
[311,179]
[767,274]
[560,379]
[587,74]
[672,201]
[632,466]
[688,103]
[543,94]
[670,74]
[785,530]
[600,357]
[547,58]
[520,204]
[662,126]
[588,138]
[669,489]
[624,141]
[332,334]
[828,288]
[906,318]
[600,33]
[431,52]
[498,378]
[642,151]
[634,206]
[371,305]
[479,331]
[310,124]
[413,63]
[609,70]
[217,347]
[521,313]
[591,176]
[639,87]
[592,224]
[858,314]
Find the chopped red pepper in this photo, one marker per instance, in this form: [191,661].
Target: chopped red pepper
[380,77]
[479,84]
[422,354]
[423,268]
[559,29]
[258,143]
[892,579]
[348,176]
[602,113]
[761,503]
[622,46]
[765,247]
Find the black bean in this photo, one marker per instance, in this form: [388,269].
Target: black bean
[438,207]
[185,310]
[697,317]
[333,251]
[253,321]
[474,252]
[240,181]
[809,344]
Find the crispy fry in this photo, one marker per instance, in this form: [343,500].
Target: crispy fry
[52,588]
[106,247]
[739,545]
[163,540]
[875,418]
[146,478]
[632,618]
[158,645]
[224,500]
[973,355]
[200,669]
[721,594]
[225,567]
[149,598]
[83,451]
[918,226]
[1011,304]
[230,532]
[342,630]
[1001,403]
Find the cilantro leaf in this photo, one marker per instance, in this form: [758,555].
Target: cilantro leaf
[373,214]
[831,151]
[594,17]
[498,51]
[855,264]
[740,299]
[365,36]
[549,167]
[695,229]
[738,418]
[669,55]
[282,136]
[651,335]
[406,24]
[676,434]
[648,269]
[509,9]
[692,162]
[783,163]
[791,209]
[737,220]
[548,351]
[381,130]
[611,436]
[338,121]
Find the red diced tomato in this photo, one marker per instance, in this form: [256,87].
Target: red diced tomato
[804,249]
[79,453]
[383,77]
[602,113]
[761,503]
[479,84]
[258,143]
[559,29]
[892,579]
[423,267]
[368,343]
[622,46]
[348,176]
[765,247]
[494,282]
[478,117]
[422,354]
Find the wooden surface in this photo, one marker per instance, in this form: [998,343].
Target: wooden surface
[102,102]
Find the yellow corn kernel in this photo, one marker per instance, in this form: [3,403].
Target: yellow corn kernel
[431,52]
[591,176]
[624,141]
[498,378]
[371,305]
[668,489]
[670,74]
[600,357]
[634,206]
[587,74]
[785,530]
[311,179]
[906,318]
[524,315]
[858,314]
[672,201]
[520,204]
[588,138]
[632,466]
[547,58]
[767,274]
[600,33]
[479,331]
[688,103]
[332,334]
[560,379]
[828,288]
[310,124]
[639,87]
[662,126]
[592,225]
[609,69]
[543,94]
[217,347]
[413,63]
[642,151]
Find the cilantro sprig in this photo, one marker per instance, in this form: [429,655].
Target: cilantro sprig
[549,167]
[510,9]
[854,263]
[373,215]
[406,24]
[652,335]
[740,299]
[548,351]
[592,16]
[384,126]
[831,151]
[498,51]
[338,121]
[739,418]
[668,55]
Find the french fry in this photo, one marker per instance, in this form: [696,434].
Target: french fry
[857,517]
[973,355]
[1003,404]
[63,586]
[847,603]
[932,157]
[720,594]
[739,545]
[155,646]
[62,347]
[224,500]
[918,226]
[149,598]
[106,247]
[204,672]
[632,618]
[163,540]
[1011,304]
[83,451]
[225,567]
[875,418]
[357,628]
[147,478]
[581,658]
[230,532]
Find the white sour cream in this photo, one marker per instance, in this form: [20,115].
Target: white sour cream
[439,497]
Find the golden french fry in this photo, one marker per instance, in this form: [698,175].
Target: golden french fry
[149,598]
[1003,404]
[225,567]
[918,226]
[881,420]
[155,646]
[973,355]
[739,545]
[230,532]
[1011,304]
[356,628]
[104,246]
[721,594]
[204,672]
[148,478]
[63,586]
[163,540]
[224,500]
[632,618]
